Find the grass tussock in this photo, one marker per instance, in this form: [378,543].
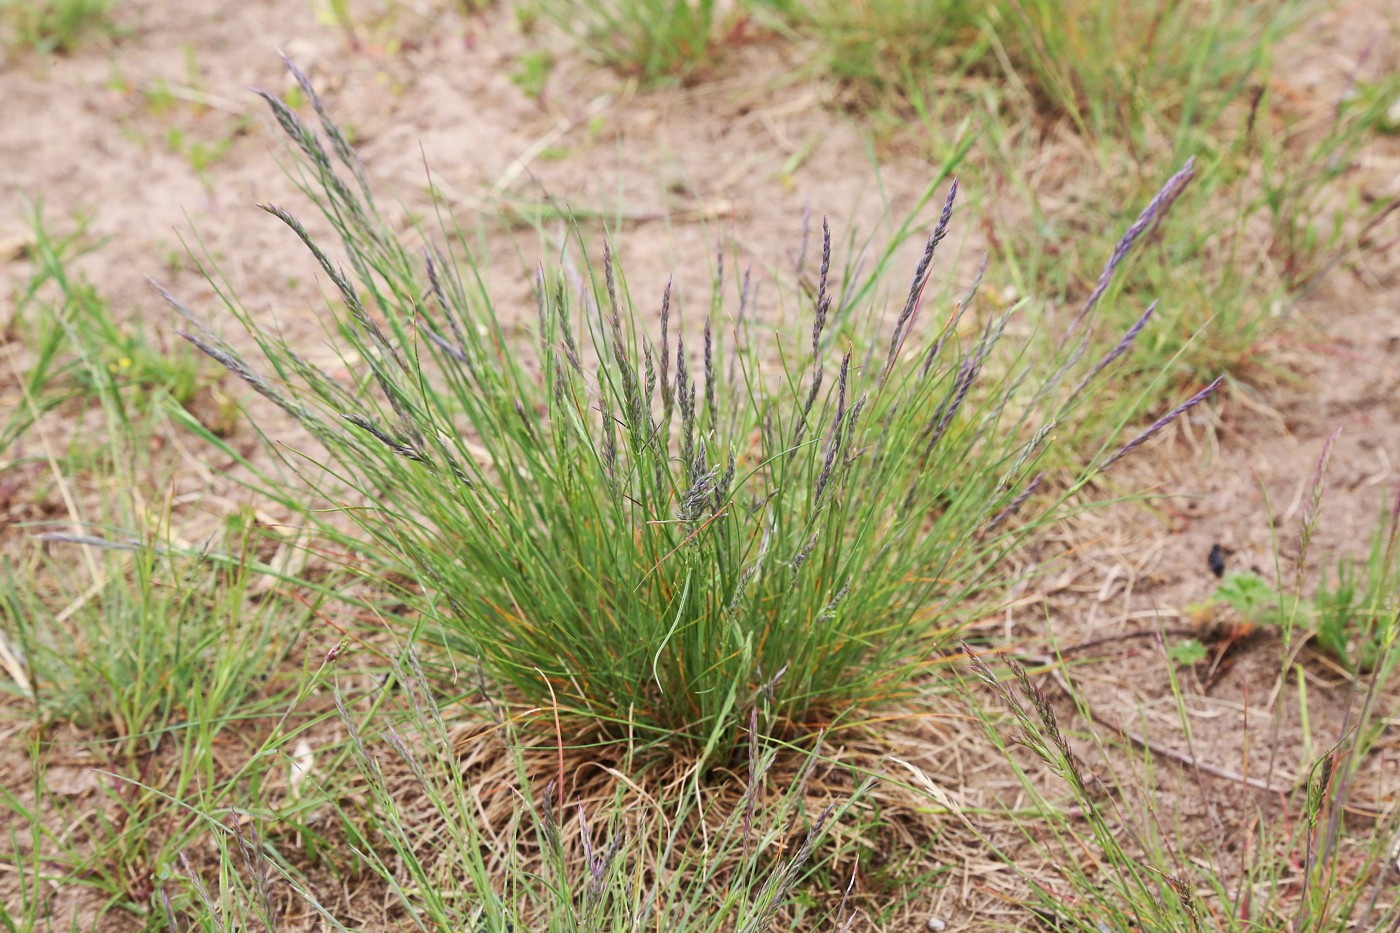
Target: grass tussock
[1106,67]
[54,26]
[656,534]
[653,40]
[714,524]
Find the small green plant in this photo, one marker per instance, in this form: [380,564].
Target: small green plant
[160,99]
[202,155]
[532,71]
[1187,653]
[64,313]
[335,12]
[55,25]
[1354,614]
[1351,614]
[1256,601]
[527,18]
[655,40]
[652,537]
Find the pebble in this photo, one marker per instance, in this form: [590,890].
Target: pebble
[936,925]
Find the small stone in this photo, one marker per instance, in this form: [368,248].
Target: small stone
[936,925]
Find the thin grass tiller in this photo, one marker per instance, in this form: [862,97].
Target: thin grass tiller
[652,538]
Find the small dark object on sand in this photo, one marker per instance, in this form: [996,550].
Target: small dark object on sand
[1216,560]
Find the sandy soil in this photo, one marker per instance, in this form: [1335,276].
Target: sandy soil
[673,171]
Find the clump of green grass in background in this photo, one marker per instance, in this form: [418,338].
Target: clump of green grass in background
[1268,216]
[658,538]
[48,26]
[881,48]
[1141,69]
[1148,76]
[109,360]
[135,660]
[1114,70]
[531,73]
[653,40]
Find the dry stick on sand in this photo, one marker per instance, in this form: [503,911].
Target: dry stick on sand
[1157,748]
[518,165]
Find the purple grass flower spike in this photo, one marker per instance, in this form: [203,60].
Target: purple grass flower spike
[1150,215]
[343,150]
[710,409]
[1015,505]
[1122,347]
[952,326]
[667,393]
[610,280]
[1162,422]
[916,289]
[823,299]
[807,407]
